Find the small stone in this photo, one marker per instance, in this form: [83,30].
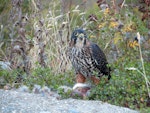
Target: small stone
[23,88]
[45,89]
[36,89]
[7,87]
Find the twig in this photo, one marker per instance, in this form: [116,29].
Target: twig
[123,3]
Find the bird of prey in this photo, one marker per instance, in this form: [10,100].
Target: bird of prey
[88,60]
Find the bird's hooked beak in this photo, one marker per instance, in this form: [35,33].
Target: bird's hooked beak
[81,36]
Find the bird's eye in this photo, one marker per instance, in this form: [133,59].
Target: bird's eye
[76,33]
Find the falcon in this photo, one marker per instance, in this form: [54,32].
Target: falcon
[88,60]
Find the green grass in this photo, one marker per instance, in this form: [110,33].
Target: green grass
[126,88]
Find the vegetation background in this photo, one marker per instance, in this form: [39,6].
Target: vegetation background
[34,37]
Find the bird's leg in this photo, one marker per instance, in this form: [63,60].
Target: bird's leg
[95,80]
[81,89]
[80,78]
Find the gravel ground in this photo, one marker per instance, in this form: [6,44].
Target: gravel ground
[21,102]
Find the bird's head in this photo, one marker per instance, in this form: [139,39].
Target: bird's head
[79,38]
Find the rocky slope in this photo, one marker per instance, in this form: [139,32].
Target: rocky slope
[21,102]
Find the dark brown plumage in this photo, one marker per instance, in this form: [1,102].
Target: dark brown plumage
[87,58]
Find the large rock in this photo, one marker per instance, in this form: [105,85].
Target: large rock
[21,102]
